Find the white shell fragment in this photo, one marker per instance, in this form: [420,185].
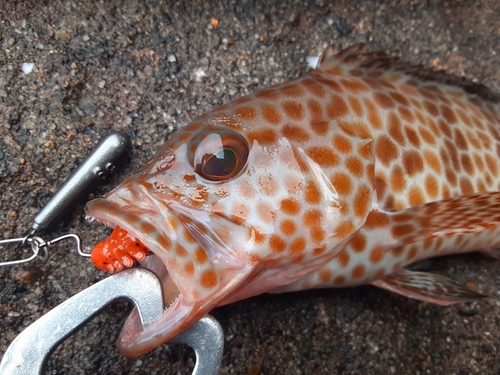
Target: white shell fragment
[27,67]
[199,73]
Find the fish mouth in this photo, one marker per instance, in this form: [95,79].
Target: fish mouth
[185,305]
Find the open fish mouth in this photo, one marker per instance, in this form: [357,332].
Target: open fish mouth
[131,342]
[173,253]
[123,250]
[193,267]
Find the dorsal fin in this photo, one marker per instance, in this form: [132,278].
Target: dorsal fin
[379,61]
[353,55]
[326,56]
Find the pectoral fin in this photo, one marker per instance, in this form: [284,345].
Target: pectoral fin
[463,215]
[426,287]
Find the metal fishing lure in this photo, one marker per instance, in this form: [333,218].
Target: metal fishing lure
[100,164]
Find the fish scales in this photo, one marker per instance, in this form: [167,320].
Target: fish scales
[338,178]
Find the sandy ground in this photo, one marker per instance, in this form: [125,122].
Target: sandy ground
[148,67]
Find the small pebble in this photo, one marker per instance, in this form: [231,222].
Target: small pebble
[254,368]
[32,306]
[63,34]
[28,275]
[472,286]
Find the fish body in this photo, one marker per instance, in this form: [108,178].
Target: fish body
[338,178]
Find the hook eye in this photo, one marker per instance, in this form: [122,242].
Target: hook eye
[38,244]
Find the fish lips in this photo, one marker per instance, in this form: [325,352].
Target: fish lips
[116,214]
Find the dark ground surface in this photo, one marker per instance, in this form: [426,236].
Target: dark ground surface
[130,66]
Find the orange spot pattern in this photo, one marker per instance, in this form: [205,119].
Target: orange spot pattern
[323,156]
[290,206]
[263,137]
[247,113]
[364,129]
[208,279]
[271,115]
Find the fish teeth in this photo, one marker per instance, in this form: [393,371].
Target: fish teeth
[173,301]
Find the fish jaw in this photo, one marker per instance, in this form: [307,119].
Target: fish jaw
[186,302]
[135,339]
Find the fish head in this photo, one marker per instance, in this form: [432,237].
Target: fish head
[229,213]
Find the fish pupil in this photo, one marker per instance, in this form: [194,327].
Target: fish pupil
[221,164]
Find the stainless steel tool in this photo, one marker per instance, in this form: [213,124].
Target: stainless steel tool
[28,352]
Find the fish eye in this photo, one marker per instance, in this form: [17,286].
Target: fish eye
[218,155]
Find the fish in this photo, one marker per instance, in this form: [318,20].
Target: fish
[341,177]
